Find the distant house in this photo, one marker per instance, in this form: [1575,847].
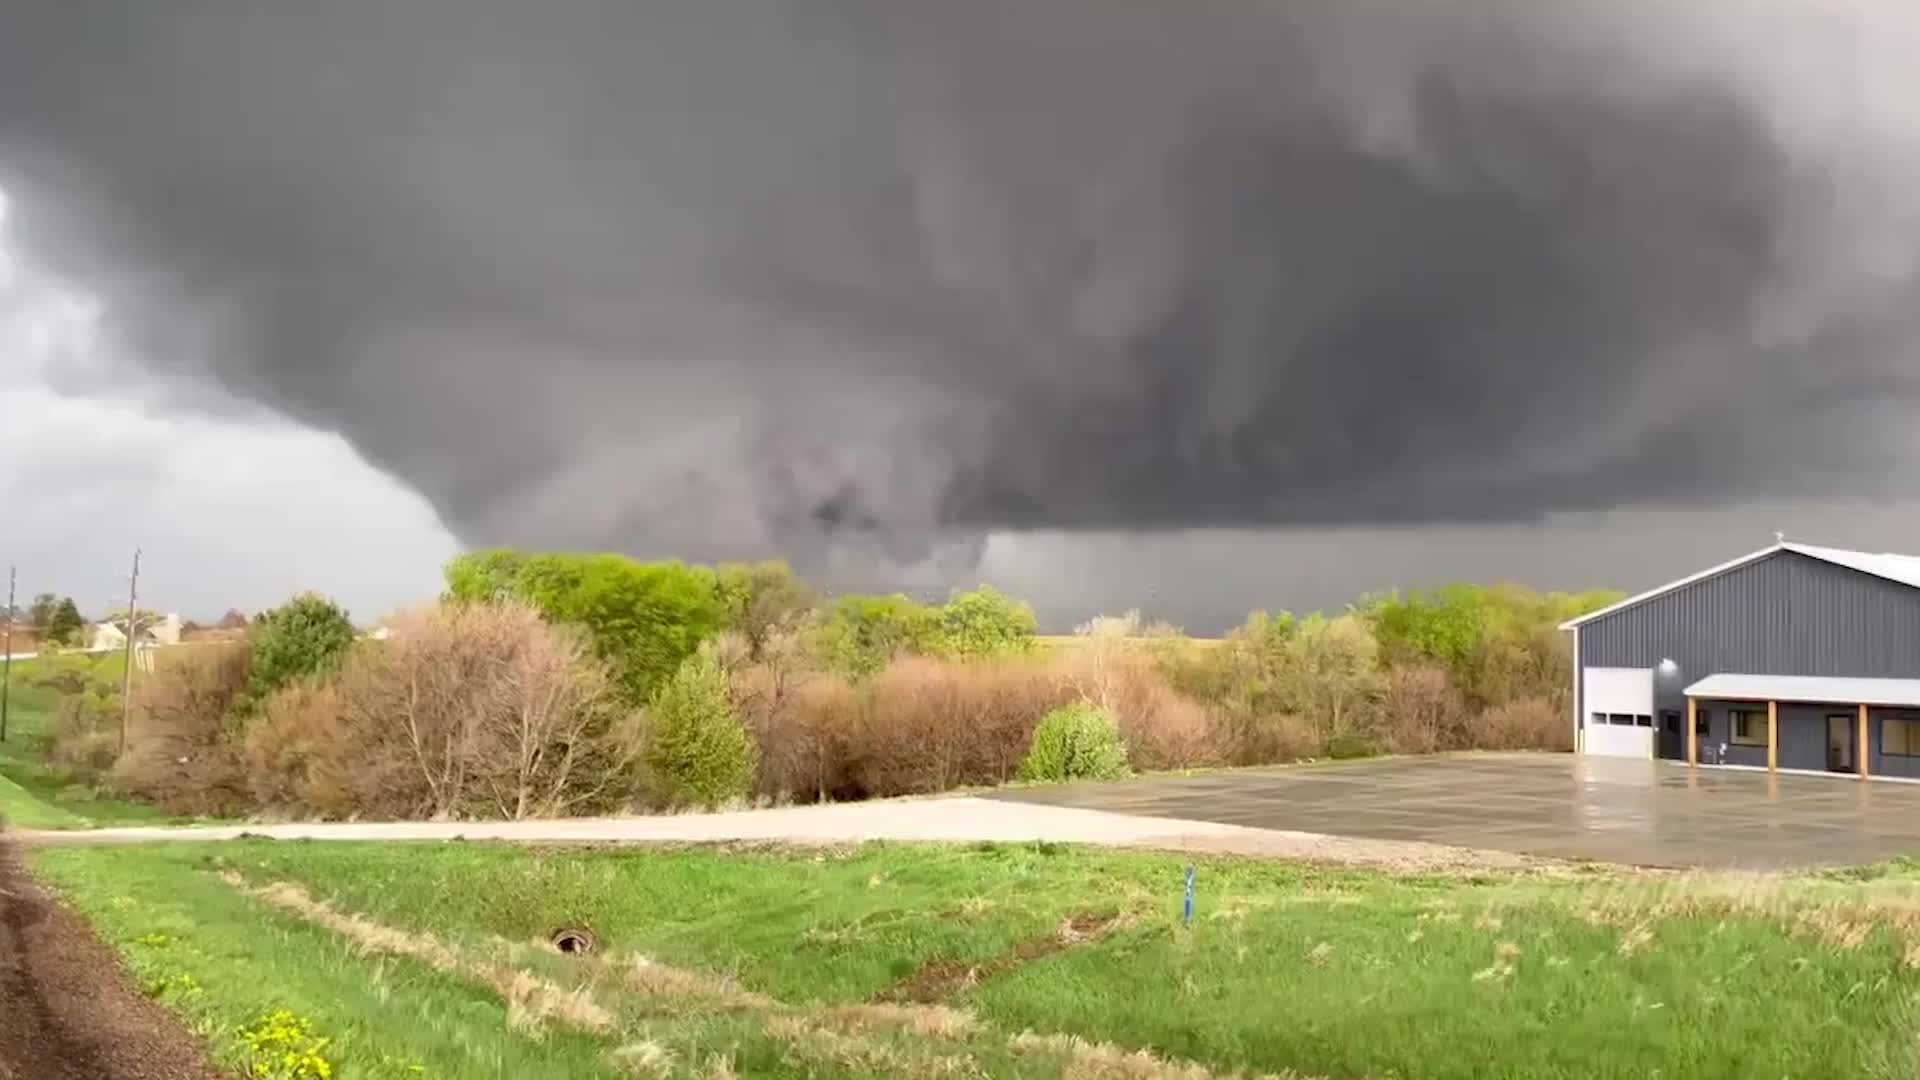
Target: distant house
[108,636]
[21,640]
[1794,657]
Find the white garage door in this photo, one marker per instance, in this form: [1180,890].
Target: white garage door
[1619,712]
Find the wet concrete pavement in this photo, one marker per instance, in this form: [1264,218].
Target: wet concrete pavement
[1611,809]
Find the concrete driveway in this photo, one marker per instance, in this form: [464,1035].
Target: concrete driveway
[1642,812]
[1477,810]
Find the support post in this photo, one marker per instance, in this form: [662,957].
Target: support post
[126,678]
[1773,736]
[6,675]
[1693,733]
[1862,748]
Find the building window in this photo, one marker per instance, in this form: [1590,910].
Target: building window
[1670,721]
[1900,737]
[1702,720]
[1749,727]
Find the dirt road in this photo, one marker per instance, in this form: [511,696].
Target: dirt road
[67,1010]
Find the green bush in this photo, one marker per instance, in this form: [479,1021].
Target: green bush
[305,636]
[697,749]
[1077,742]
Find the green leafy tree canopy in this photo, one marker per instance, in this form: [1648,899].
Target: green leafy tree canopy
[985,623]
[64,625]
[862,634]
[305,636]
[642,619]
[40,611]
[762,599]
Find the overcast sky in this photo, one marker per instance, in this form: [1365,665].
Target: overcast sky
[235,510]
[1115,303]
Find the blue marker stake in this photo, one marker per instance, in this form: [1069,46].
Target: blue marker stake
[1188,917]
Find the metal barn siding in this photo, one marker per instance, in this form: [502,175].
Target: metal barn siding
[1785,614]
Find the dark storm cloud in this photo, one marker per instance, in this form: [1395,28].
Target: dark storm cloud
[729,277]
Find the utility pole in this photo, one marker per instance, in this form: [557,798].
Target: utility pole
[6,665]
[126,684]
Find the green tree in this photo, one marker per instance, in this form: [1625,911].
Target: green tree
[861,634]
[1076,742]
[40,612]
[1444,625]
[985,623]
[762,599]
[698,751]
[63,626]
[479,577]
[305,636]
[1333,675]
[642,619]
[142,619]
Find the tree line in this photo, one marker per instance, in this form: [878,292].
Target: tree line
[551,683]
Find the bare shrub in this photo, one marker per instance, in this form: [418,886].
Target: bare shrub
[1528,724]
[1273,739]
[1422,711]
[470,710]
[86,733]
[920,725]
[182,753]
[1162,729]
[924,725]
[930,725]
[801,722]
[298,756]
[86,739]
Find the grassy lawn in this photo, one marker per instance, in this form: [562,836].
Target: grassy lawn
[1008,960]
[35,794]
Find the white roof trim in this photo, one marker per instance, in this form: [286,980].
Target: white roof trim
[1904,569]
[1814,689]
[1731,564]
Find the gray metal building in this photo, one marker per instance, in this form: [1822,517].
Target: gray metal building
[1793,657]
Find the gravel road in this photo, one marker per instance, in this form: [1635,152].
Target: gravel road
[939,819]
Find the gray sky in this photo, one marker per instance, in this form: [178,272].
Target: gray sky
[1194,307]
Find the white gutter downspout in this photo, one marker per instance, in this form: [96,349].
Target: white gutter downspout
[1579,736]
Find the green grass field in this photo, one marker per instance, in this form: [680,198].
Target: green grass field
[35,794]
[1009,960]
